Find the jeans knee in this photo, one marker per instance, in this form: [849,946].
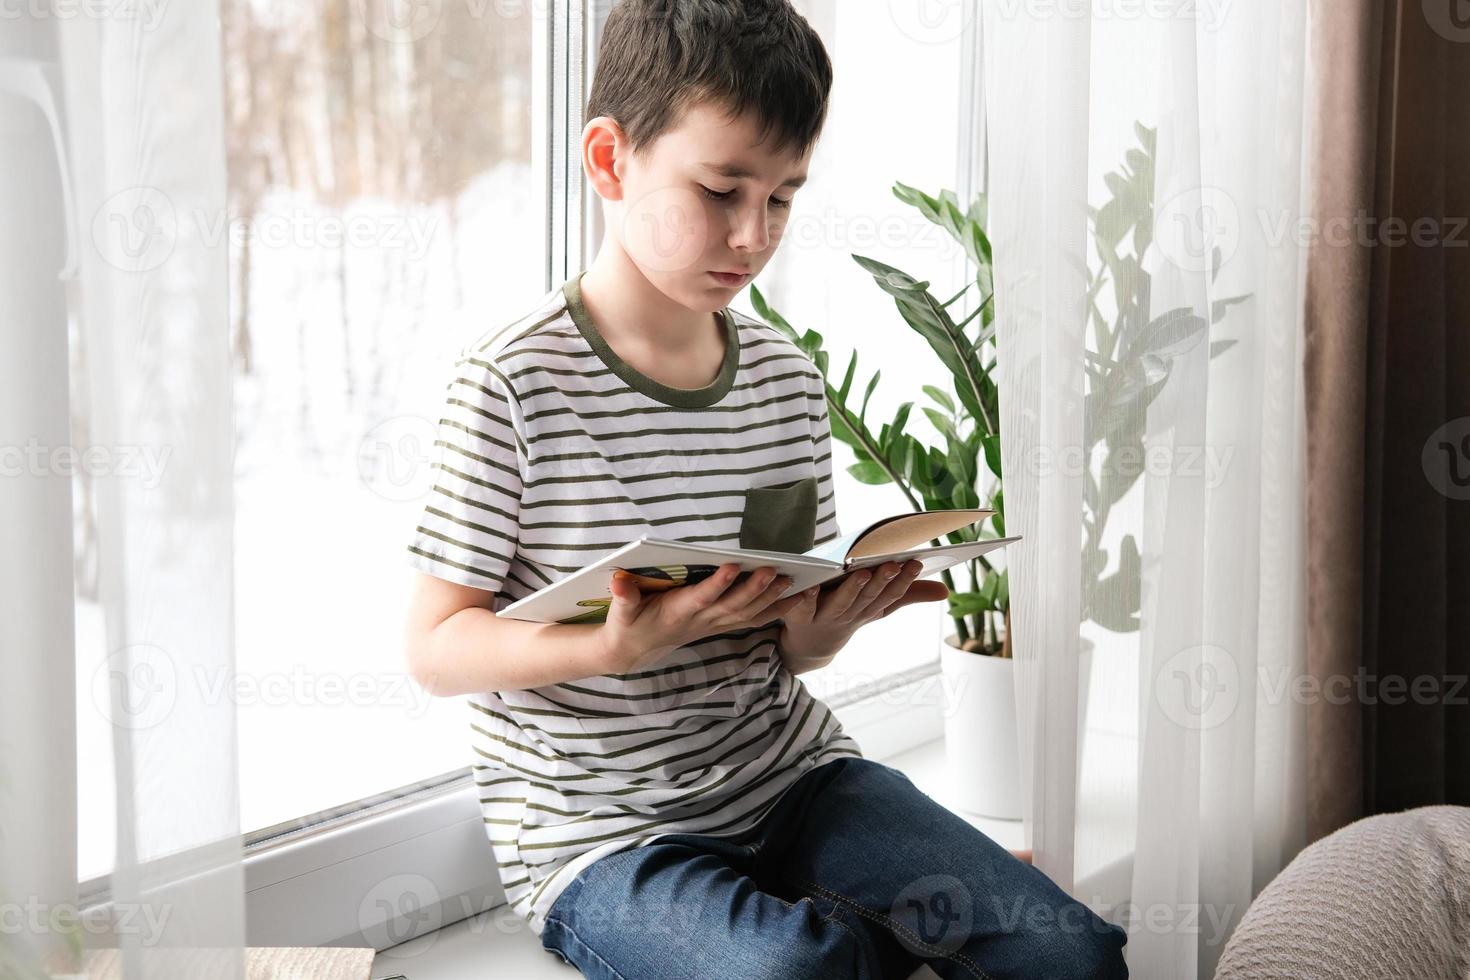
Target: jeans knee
[1091,953]
[830,953]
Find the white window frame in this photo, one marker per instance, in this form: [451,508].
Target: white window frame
[306,880]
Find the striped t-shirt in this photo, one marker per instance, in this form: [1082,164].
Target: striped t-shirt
[553,452]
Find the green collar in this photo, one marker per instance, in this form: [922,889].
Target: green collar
[677,397]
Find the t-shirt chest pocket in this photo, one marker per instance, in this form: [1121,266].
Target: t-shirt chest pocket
[782,517]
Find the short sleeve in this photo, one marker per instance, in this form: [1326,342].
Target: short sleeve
[827,529]
[467,532]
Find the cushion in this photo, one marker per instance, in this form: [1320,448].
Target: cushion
[1384,896]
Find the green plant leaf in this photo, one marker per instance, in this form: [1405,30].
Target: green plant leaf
[991,442]
[919,473]
[962,459]
[942,422]
[869,472]
[838,422]
[863,412]
[979,211]
[901,417]
[764,311]
[928,317]
[847,379]
[940,396]
[968,604]
[900,453]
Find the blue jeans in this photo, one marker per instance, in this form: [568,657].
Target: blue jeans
[855,873]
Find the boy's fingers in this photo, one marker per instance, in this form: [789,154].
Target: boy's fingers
[764,601]
[895,588]
[705,593]
[920,591]
[625,599]
[797,608]
[841,601]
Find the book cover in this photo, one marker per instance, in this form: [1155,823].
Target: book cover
[657,564]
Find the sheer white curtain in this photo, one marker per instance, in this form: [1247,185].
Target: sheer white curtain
[1145,178]
[118,380]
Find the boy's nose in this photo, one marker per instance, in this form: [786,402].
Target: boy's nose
[751,230]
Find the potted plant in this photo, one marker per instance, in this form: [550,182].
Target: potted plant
[961,469]
[1129,359]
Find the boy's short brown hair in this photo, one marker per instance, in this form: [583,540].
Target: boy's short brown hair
[659,58]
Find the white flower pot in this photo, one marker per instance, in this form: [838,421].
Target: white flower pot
[981,751]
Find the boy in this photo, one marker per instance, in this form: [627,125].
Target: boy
[663,797]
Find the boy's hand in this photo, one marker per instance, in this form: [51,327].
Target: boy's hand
[823,622]
[642,630]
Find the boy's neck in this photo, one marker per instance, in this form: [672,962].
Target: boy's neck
[630,311]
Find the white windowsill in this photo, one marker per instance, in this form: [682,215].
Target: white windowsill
[496,943]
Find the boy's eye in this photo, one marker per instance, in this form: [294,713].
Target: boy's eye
[726,195]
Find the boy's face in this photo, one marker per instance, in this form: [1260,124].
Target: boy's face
[704,198]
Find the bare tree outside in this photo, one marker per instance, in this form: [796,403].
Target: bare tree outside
[324,117]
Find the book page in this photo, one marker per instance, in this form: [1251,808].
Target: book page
[911,531]
[935,558]
[835,550]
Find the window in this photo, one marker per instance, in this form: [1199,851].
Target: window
[383,212]
[396,187]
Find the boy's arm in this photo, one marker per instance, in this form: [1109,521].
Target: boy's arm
[455,644]
[800,663]
[466,540]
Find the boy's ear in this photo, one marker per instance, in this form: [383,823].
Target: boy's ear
[603,148]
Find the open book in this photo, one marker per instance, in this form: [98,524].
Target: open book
[657,564]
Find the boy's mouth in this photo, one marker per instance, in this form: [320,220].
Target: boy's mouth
[731,278]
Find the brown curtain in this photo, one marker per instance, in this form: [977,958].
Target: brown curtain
[1388,409]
